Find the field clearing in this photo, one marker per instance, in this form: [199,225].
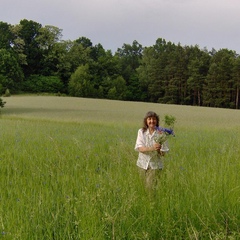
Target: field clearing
[68,171]
[98,110]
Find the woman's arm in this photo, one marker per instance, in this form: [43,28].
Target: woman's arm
[155,147]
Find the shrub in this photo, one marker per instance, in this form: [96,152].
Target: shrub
[2,103]
[7,93]
[39,84]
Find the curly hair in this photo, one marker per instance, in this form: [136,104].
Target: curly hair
[149,114]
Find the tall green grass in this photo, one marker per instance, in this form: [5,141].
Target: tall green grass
[72,175]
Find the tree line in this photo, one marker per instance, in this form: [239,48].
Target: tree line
[35,59]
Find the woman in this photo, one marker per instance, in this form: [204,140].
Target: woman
[150,154]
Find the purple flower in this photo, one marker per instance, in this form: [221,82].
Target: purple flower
[166,130]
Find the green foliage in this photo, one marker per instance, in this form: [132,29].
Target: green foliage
[197,69]
[79,84]
[169,121]
[117,89]
[6,35]
[2,103]
[7,93]
[28,32]
[112,93]
[38,84]
[236,84]
[129,60]
[218,87]
[11,74]
[78,55]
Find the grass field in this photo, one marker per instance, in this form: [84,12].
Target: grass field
[68,171]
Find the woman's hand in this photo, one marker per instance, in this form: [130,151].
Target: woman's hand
[157,147]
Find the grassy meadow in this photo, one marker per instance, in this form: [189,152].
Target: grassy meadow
[68,171]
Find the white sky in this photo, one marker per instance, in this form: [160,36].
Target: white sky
[207,23]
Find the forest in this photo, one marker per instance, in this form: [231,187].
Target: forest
[35,59]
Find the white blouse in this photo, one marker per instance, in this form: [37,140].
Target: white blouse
[147,160]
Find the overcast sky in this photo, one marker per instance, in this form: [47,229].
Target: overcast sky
[206,23]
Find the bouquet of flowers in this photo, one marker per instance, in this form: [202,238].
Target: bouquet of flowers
[161,136]
[162,133]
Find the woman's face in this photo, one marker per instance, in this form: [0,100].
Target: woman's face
[151,122]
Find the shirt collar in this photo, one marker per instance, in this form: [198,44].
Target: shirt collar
[148,133]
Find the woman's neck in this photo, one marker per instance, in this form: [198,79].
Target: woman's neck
[151,130]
